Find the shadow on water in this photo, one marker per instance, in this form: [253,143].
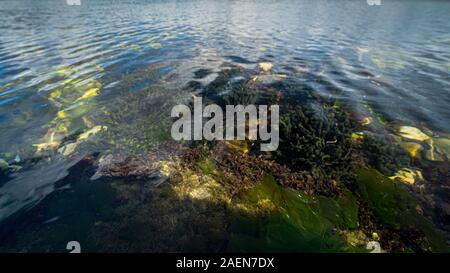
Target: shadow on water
[65,215]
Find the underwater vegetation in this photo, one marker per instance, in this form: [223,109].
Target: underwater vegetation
[282,219]
[395,207]
[202,199]
[334,185]
[72,100]
[318,141]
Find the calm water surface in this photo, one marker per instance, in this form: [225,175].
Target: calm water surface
[67,70]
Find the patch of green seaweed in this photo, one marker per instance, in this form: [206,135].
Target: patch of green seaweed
[278,219]
[395,207]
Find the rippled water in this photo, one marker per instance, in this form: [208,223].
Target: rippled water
[65,70]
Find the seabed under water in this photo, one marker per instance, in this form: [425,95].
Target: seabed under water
[338,182]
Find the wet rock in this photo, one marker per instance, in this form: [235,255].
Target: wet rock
[103,164]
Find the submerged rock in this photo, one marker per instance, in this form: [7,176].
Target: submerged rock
[412,148]
[265,66]
[407,176]
[432,153]
[443,146]
[366,121]
[40,147]
[68,149]
[52,140]
[3,164]
[93,131]
[268,79]
[88,94]
[412,133]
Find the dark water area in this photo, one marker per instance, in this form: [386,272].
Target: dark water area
[101,78]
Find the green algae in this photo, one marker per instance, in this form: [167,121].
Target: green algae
[342,211]
[395,207]
[271,218]
[382,196]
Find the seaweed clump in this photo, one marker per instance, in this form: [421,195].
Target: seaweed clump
[317,141]
[239,171]
[383,155]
